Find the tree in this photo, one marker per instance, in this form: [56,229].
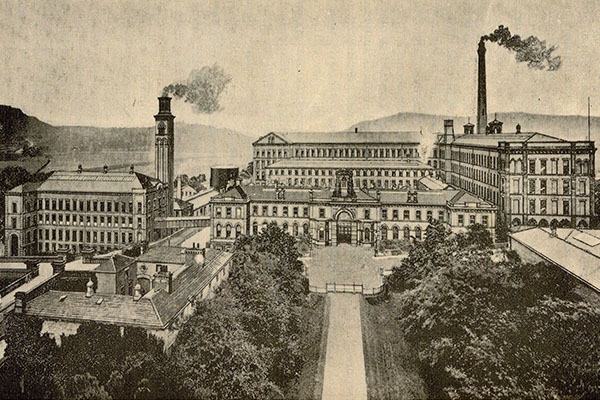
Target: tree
[81,387]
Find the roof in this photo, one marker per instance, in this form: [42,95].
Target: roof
[294,194]
[492,140]
[119,182]
[345,137]
[114,309]
[339,164]
[114,263]
[181,204]
[202,198]
[432,183]
[163,254]
[577,251]
[202,236]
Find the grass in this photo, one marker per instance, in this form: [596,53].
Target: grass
[309,384]
[390,364]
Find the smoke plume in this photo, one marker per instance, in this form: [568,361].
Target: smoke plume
[531,50]
[202,89]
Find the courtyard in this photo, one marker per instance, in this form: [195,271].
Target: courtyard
[345,264]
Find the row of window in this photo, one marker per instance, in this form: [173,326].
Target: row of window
[482,160]
[545,207]
[551,167]
[364,183]
[406,215]
[67,219]
[341,153]
[540,186]
[67,235]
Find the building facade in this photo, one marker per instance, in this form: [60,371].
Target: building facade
[343,214]
[77,210]
[311,158]
[533,178]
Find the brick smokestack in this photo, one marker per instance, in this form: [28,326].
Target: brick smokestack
[481,90]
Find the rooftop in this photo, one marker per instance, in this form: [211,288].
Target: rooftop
[577,251]
[110,182]
[492,140]
[343,137]
[163,254]
[348,163]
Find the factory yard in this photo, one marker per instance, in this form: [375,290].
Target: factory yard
[346,264]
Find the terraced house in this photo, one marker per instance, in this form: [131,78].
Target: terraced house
[342,214]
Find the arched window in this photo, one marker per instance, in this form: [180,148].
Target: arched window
[384,230]
[238,231]
[264,226]
[228,231]
[406,232]
[295,229]
[218,230]
[418,233]
[254,228]
[305,229]
[285,227]
[367,235]
[395,235]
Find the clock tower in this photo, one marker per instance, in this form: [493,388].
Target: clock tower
[164,159]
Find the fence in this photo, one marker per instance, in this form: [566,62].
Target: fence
[355,288]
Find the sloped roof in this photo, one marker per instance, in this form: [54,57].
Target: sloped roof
[114,263]
[115,308]
[492,140]
[181,204]
[432,183]
[347,137]
[565,250]
[163,254]
[119,182]
[339,164]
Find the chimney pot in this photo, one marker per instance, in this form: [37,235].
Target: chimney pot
[164,105]
[518,128]
[138,292]
[90,288]
[355,129]
[105,169]
[448,127]
[79,169]
[131,169]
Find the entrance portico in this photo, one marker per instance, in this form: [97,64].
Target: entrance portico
[345,227]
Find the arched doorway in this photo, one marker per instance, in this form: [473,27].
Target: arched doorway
[344,228]
[14,245]
[543,223]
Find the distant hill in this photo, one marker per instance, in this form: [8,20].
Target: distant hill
[93,147]
[570,127]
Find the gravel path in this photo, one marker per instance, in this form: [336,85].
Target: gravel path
[344,376]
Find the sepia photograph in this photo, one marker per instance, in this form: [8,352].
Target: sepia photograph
[299,199]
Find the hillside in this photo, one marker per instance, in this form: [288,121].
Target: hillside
[570,127]
[196,146]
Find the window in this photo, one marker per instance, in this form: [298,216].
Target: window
[418,215]
[238,212]
[13,222]
[321,213]
[515,186]
[218,230]
[305,212]
[162,268]
[285,211]
[531,186]
[254,228]
[441,216]
[367,213]
[228,212]
[543,167]
[582,187]
[542,186]
[566,186]
[265,210]
[532,166]
[254,210]
[461,220]
[395,214]
[566,208]
[532,206]
[472,219]
[406,214]
[218,212]
[543,206]
[484,220]
[295,212]
[429,216]
[566,166]
[228,231]
[384,213]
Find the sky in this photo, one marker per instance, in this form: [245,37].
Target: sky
[295,65]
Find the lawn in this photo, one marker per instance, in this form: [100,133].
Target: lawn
[309,384]
[390,364]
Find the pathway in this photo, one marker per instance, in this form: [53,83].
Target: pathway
[344,376]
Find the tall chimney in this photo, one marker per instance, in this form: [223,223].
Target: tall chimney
[481,91]
[449,127]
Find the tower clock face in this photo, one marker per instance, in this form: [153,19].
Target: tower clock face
[161,128]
